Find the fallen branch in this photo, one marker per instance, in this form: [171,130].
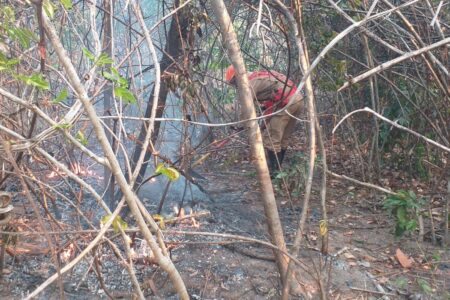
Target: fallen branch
[366,184]
[372,292]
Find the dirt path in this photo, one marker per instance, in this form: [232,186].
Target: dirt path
[362,264]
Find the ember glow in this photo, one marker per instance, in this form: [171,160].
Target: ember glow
[195,224]
[189,213]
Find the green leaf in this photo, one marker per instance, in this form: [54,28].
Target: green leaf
[8,14]
[124,94]
[401,282]
[401,215]
[281,175]
[411,225]
[49,8]
[122,82]
[22,35]
[160,220]
[7,64]
[110,76]
[436,256]
[81,138]
[36,80]
[425,286]
[115,77]
[169,172]
[117,223]
[103,59]
[89,54]
[67,4]
[62,126]
[61,96]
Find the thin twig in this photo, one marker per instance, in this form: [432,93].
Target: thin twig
[395,124]
[372,292]
[366,184]
[393,62]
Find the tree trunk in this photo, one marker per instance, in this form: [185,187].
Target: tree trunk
[107,48]
[173,50]
[255,139]
[132,200]
[295,24]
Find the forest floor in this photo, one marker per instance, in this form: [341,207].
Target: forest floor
[362,263]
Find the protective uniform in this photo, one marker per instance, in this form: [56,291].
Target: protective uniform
[274,91]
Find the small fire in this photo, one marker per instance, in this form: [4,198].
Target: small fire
[195,223]
[186,214]
[53,174]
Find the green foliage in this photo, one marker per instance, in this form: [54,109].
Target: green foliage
[21,35]
[116,224]
[405,207]
[424,286]
[7,64]
[100,61]
[169,172]
[89,54]
[82,138]
[294,174]
[103,60]
[160,220]
[67,4]
[401,282]
[115,77]
[63,126]
[120,84]
[49,8]
[36,80]
[61,96]
[9,30]
[419,154]
[124,94]
[7,16]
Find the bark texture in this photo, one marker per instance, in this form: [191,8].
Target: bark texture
[255,138]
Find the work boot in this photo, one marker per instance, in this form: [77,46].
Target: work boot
[281,155]
[271,162]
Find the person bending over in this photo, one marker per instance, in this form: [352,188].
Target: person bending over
[273,91]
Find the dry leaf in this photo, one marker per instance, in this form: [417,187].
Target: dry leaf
[383,280]
[349,256]
[403,259]
[369,258]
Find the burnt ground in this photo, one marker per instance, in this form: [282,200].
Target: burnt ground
[362,247]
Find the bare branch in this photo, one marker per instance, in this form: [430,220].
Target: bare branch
[395,124]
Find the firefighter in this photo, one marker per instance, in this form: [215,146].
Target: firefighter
[273,91]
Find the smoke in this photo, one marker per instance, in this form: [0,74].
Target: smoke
[176,140]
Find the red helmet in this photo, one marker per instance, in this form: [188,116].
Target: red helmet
[229,74]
